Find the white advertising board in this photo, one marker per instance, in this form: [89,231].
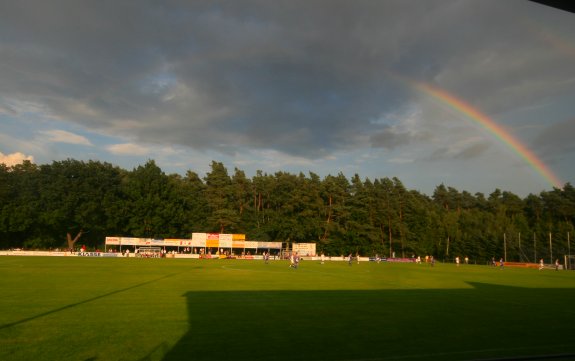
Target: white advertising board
[304,249]
[226,240]
[251,244]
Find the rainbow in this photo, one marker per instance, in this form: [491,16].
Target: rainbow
[492,127]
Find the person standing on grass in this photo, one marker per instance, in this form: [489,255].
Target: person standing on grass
[350,259]
[322,258]
[457,261]
[501,263]
[557,264]
[541,264]
[296,260]
[357,257]
[432,261]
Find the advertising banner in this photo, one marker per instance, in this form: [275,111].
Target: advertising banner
[226,237]
[304,249]
[201,243]
[226,244]
[199,236]
[225,240]
[238,240]
[129,241]
[173,242]
[144,241]
[113,240]
[238,237]
[212,243]
[213,240]
[251,244]
[185,242]
[270,245]
[199,240]
[238,243]
[401,260]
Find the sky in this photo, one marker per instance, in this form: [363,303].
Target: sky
[477,95]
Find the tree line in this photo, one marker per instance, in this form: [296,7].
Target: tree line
[56,205]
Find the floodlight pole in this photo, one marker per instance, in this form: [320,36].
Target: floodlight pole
[504,247]
[568,252]
[534,248]
[520,250]
[550,248]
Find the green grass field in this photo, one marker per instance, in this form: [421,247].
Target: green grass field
[72,308]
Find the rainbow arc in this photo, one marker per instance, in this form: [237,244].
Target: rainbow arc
[493,128]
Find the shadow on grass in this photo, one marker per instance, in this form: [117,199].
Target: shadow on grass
[482,322]
[72,305]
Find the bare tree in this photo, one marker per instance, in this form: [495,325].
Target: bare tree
[72,242]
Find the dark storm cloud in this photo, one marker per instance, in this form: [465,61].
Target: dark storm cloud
[301,77]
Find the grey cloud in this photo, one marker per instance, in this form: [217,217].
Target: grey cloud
[439,153]
[390,139]
[557,138]
[7,109]
[473,151]
[300,77]
[457,153]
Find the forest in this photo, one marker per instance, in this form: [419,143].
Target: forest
[73,202]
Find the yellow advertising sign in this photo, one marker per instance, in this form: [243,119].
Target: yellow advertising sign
[239,244]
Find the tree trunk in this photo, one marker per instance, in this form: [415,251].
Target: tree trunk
[325,233]
[72,242]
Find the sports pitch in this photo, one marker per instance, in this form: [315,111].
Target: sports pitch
[69,308]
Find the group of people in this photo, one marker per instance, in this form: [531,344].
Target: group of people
[350,258]
[457,260]
[501,262]
[542,264]
[294,260]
